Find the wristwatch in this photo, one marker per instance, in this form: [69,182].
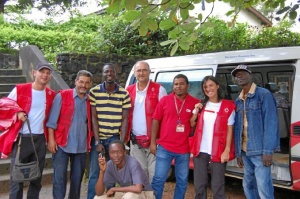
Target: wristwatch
[96,143]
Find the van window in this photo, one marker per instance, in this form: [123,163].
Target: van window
[194,76]
[283,80]
[223,84]
[226,79]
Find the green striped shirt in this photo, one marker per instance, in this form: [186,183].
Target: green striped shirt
[109,109]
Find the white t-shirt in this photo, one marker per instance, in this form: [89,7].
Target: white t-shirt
[210,114]
[139,125]
[36,113]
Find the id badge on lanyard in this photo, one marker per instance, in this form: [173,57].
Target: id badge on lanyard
[179,126]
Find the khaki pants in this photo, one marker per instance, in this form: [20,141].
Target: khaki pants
[145,158]
[129,195]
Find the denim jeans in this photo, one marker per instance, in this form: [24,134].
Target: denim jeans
[94,166]
[27,155]
[60,166]
[163,163]
[257,181]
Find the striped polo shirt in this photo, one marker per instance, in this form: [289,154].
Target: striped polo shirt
[109,109]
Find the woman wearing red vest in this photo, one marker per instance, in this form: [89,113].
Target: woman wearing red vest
[212,144]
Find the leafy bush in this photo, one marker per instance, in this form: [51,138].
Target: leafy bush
[105,34]
[216,36]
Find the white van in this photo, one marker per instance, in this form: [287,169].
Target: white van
[273,68]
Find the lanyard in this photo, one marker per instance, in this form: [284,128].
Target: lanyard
[178,112]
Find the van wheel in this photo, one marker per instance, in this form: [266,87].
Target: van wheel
[171,175]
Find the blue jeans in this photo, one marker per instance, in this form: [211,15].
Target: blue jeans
[60,166]
[257,181]
[94,166]
[163,163]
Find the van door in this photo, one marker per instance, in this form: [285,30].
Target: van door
[295,130]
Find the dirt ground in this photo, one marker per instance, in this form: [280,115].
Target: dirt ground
[233,188]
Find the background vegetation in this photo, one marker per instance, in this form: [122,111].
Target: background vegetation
[108,34]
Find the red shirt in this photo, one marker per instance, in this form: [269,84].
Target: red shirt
[165,112]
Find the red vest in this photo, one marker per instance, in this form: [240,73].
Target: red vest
[220,133]
[24,99]
[65,119]
[151,102]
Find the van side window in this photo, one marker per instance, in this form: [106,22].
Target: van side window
[227,81]
[283,81]
[258,79]
[195,77]
[223,84]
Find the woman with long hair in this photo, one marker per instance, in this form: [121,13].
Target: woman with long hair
[212,143]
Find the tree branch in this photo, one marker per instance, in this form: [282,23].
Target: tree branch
[212,9]
[160,4]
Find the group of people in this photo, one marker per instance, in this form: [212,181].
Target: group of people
[160,128]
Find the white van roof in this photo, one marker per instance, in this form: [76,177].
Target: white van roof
[228,57]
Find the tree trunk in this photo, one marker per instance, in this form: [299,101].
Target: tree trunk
[1,8]
[2,2]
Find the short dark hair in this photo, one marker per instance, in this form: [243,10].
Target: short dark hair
[110,64]
[181,76]
[84,73]
[118,142]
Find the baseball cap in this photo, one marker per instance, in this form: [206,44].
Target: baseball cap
[43,65]
[239,68]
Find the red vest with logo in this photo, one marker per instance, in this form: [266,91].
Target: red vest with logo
[151,102]
[24,99]
[65,119]
[220,133]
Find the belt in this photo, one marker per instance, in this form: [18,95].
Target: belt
[28,135]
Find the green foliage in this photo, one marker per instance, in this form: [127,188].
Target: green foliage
[107,34]
[179,22]
[50,5]
[217,36]
[117,36]
[84,34]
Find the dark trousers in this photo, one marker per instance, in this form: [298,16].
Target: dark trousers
[60,165]
[27,155]
[201,165]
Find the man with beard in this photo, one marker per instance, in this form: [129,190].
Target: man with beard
[256,134]
[171,125]
[69,128]
[110,106]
